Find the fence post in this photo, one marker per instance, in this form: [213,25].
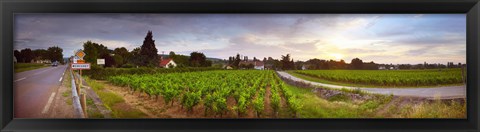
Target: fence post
[463,76]
[80,78]
[83,101]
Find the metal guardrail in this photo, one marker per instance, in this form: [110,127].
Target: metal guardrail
[78,112]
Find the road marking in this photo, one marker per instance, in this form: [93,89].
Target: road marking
[42,71]
[45,109]
[60,79]
[20,79]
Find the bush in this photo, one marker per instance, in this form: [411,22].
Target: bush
[128,66]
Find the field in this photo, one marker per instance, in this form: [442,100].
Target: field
[261,94]
[384,78]
[21,67]
[212,89]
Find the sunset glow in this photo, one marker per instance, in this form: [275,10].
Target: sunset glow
[382,38]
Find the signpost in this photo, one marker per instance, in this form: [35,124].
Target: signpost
[80,61]
[80,54]
[79,64]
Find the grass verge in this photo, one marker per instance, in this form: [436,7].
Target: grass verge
[114,102]
[376,106]
[21,67]
[67,82]
[339,106]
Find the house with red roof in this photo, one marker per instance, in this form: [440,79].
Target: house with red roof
[259,65]
[167,63]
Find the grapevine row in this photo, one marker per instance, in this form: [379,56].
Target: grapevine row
[211,89]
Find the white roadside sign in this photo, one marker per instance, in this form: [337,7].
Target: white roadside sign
[101,61]
[75,59]
[81,66]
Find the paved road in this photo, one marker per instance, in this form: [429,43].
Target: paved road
[34,91]
[447,92]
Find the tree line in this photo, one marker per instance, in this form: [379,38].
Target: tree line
[144,56]
[28,55]
[287,63]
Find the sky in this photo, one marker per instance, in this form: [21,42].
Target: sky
[382,38]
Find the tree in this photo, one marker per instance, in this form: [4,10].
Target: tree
[231,60]
[55,53]
[17,55]
[149,52]
[26,55]
[118,60]
[287,63]
[356,63]
[299,65]
[207,63]
[94,51]
[314,64]
[171,54]
[291,65]
[198,59]
[250,66]
[124,54]
[277,64]
[136,58]
[242,66]
[237,60]
[40,54]
[109,60]
[182,60]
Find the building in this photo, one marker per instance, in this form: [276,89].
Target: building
[259,65]
[228,67]
[44,61]
[167,63]
[305,66]
[269,66]
[382,68]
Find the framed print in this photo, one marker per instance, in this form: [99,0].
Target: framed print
[240,65]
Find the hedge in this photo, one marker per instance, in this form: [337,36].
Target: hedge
[101,73]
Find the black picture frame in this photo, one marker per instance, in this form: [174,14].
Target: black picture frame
[9,7]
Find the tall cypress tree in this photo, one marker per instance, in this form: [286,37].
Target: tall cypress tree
[148,51]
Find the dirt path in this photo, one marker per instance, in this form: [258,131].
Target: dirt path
[448,92]
[156,108]
[268,108]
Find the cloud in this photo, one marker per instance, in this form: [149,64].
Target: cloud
[376,37]
[358,50]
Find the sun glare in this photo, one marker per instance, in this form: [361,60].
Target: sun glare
[337,56]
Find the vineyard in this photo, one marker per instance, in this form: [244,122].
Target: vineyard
[393,78]
[211,89]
